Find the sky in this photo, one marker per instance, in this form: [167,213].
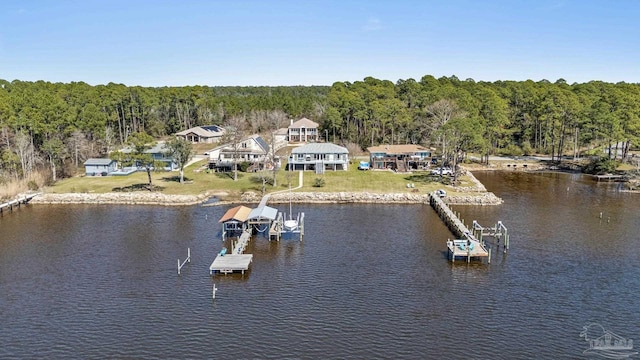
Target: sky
[269,43]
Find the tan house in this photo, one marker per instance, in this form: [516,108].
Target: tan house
[303,130]
[399,157]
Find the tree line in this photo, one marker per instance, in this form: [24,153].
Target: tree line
[57,126]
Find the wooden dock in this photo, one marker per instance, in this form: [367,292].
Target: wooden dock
[17,202]
[231,263]
[467,245]
[236,261]
[608,177]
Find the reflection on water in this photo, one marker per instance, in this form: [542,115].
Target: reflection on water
[368,281]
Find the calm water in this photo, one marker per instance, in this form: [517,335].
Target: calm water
[369,281]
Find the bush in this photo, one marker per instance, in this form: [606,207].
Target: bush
[318,182]
[512,150]
[32,185]
[243,166]
[600,165]
[527,149]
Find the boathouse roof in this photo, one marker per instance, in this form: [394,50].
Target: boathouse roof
[262,213]
[238,213]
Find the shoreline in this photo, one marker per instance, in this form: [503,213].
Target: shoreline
[479,196]
[485,198]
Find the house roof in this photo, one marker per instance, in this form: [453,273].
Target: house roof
[203,131]
[238,213]
[281,131]
[159,147]
[260,141]
[320,148]
[94,161]
[263,212]
[397,149]
[303,123]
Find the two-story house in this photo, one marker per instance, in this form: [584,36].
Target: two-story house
[252,149]
[303,130]
[399,157]
[319,157]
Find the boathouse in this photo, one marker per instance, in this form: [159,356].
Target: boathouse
[234,221]
[262,217]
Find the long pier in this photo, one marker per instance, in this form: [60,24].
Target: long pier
[467,245]
[17,202]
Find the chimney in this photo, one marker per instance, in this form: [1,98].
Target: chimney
[291,122]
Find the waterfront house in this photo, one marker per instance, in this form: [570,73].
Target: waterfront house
[202,134]
[303,130]
[399,157]
[159,153]
[252,149]
[319,157]
[99,167]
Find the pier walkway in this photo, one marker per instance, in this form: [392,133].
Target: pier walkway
[17,202]
[467,245]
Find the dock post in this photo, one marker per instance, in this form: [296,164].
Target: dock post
[489,256]
[214,291]
[189,254]
[178,266]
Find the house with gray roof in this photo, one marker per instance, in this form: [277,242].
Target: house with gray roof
[159,153]
[319,157]
[99,167]
[202,134]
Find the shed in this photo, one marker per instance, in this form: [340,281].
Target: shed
[99,167]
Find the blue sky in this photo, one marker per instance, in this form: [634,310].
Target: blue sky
[237,42]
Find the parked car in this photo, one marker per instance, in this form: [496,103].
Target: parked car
[442,171]
[363,165]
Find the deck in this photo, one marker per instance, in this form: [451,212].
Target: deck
[231,263]
[460,249]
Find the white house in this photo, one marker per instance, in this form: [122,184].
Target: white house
[252,149]
[303,130]
[319,157]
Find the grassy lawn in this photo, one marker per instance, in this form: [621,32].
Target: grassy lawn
[198,181]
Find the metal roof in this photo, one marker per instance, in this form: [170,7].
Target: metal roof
[203,131]
[263,212]
[239,213]
[98,162]
[320,148]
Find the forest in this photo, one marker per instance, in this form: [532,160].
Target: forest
[45,126]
